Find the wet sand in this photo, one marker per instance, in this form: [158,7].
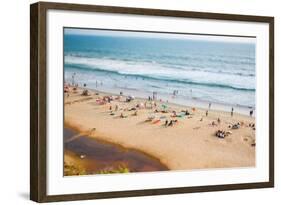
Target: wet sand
[94,155]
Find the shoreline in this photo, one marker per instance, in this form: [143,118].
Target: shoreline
[188,103]
[190,144]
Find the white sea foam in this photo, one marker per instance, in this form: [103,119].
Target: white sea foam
[163,72]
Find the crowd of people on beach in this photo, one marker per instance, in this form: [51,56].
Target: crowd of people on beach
[150,104]
[170,116]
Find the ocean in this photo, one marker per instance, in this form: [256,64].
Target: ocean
[178,70]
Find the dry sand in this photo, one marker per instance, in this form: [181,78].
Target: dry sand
[189,144]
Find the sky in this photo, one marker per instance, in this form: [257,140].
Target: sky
[97,32]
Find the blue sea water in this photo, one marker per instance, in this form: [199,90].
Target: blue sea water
[222,72]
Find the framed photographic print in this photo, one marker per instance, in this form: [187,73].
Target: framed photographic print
[133,102]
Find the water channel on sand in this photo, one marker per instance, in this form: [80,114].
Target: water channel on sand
[95,155]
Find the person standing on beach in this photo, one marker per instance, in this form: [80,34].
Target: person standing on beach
[210,104]
[155,104]
[251,113]
[73,78]
[207,113]
[232,109]
[121,115]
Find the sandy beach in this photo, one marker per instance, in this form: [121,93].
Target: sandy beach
[190,142]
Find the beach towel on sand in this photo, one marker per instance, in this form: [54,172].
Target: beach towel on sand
[156,121]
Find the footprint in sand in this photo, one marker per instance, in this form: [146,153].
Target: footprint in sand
[245,139]
[248,140]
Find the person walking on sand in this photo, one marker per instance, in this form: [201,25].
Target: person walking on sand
[232,109]
[251,113]
[207,113]
[219,121]
[116,108]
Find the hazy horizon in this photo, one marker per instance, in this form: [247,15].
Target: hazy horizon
[153,34]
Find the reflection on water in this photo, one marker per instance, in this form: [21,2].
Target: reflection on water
[95,155]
